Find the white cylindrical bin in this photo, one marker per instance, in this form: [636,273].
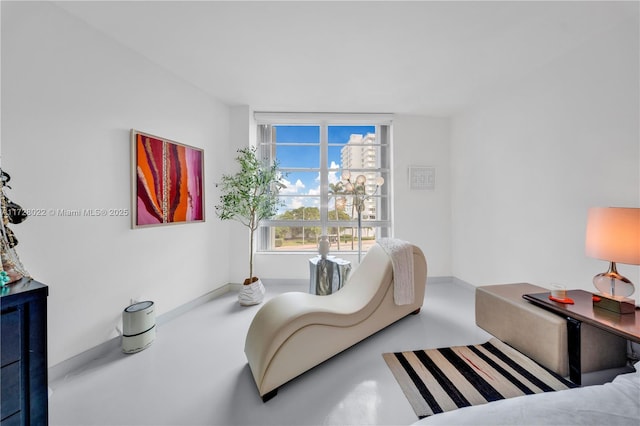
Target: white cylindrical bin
[138,327]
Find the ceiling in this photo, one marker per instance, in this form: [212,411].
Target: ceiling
[415,57]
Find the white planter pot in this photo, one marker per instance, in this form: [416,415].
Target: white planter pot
[251,294]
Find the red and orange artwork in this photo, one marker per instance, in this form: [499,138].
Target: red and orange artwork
[168,177]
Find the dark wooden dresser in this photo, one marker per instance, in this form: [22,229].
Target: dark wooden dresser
[23,347]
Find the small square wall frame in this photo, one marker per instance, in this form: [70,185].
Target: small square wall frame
[422,178]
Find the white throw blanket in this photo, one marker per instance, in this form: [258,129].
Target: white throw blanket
[401,254]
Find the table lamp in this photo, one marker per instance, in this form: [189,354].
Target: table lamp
[613,234]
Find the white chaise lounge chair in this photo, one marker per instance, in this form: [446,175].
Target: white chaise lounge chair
[296,331]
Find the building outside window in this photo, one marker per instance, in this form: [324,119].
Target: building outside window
[313,153]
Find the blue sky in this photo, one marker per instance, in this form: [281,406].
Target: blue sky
[307,183]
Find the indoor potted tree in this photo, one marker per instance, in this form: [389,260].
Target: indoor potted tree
[249,196]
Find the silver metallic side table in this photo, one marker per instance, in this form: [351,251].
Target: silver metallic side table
[328,275]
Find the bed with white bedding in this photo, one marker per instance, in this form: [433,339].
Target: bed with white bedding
[615,403]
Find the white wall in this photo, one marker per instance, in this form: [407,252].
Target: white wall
[424,216]
[243,133]
[527,165]
[69,98]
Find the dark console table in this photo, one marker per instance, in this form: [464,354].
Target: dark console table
[624,325]
[23,376]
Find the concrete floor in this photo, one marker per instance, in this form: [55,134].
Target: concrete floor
[196,373]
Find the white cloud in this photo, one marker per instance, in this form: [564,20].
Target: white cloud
[333,175]
[296,203]
[291,188]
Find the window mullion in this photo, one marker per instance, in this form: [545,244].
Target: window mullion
[324,176]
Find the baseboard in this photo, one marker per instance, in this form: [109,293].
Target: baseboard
[113,347]
[438,280]
[289,282]
[174,313]
[462,283]
[449,280]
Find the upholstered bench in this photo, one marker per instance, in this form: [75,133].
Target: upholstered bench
[540,334]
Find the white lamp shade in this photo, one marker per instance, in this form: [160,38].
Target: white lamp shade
[613,234]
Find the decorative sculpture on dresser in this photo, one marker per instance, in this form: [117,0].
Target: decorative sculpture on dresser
[12,268]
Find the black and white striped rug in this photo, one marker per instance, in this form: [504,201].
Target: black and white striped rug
[438,380]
